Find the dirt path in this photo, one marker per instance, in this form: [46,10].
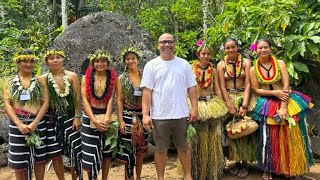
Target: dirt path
[149,172]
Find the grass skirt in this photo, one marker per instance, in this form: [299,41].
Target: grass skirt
[206,151]
[283,149]
[244,148]
[214,108]
[207,160]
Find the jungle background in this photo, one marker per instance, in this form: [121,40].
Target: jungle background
[293,26]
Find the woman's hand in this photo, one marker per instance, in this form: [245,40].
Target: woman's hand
[101,126]
[283,113]
[283,95]
[24,129]
[32,127]
[242,111]
[232,110]
[122,127]
[76,123]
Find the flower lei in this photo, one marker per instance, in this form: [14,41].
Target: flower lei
[198,73]
[35,90]
[229,67]
[275,68]
[92,97]
[66,83]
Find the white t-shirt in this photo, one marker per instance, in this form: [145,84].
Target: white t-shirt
[168,81]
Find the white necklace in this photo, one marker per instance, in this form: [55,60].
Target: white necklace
[17,82]
[56,87]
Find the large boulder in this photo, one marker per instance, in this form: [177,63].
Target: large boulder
[4,126]
[103,30]
[311,88]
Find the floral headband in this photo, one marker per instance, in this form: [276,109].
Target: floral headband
[126,51]
[100,55]
[27,57]
[50,52]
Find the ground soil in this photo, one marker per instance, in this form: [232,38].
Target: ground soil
[149,172]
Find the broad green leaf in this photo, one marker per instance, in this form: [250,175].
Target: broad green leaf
[108,141]
[301,67]
[302,48]
[315,39]
[314,48]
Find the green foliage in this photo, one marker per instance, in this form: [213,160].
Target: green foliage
[291,25]
[33,139]
[114,140]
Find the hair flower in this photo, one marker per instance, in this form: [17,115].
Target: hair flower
[253,46]
[200,42]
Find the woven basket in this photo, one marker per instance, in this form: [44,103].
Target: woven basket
[241,128]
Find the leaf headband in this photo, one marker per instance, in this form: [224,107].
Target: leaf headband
[125,52]
[100,55]
[27,57]
[50,52]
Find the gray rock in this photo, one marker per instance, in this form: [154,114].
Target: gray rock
[4,126]
[3,154]
[103,30]
[310,87]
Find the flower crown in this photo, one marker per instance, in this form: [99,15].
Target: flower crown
[125,52]
[100,55]
[50,52]
[27,57]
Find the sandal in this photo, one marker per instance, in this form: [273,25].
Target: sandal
[243,173]
[235,169]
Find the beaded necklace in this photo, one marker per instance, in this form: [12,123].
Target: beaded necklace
[274,67]
[233,69]
[203,79]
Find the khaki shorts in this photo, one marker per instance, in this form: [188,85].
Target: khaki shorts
[166,127]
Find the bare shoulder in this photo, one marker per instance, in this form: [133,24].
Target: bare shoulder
[42,78]
[247,62]
[281,62]
[221,64]
[44,75]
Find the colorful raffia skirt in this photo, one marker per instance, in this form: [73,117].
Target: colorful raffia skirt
[138,143]
[22,157]
[206,146]
[62,138]
[284,148]
[243,148]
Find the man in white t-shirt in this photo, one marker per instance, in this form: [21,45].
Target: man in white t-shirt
[167,82]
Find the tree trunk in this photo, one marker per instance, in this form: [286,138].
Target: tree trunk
[205,15]
[64,14]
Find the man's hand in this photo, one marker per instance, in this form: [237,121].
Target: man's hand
[193,115]
[147,123]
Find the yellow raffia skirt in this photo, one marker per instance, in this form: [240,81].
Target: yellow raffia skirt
[207,157]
